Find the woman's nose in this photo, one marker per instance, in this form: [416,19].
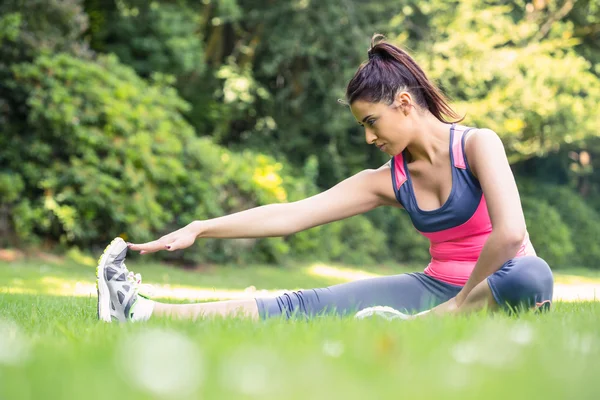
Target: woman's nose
[370,136]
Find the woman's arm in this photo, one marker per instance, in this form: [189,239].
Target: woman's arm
[358,194]
[488,162]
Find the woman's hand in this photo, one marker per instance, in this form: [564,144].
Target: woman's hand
[449,307]
[180,239]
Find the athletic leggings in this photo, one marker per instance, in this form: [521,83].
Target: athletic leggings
[522,283]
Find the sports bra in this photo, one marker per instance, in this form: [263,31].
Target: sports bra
[458,229]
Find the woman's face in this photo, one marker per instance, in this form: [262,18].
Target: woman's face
[386,126]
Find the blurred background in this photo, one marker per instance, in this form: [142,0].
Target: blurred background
[136,117]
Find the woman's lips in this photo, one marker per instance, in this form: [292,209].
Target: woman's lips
[381,147]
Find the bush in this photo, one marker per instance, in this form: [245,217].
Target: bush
[352,241]
[549,234]
[404,242]
[34,27]
[99,144]
[106,153]
[582,220]
[149,36]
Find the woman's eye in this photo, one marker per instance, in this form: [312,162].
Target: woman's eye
[371,122]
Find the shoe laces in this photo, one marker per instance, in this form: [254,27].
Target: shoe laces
[135,280]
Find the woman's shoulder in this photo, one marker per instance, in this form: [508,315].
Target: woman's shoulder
[479,143]
[482,138]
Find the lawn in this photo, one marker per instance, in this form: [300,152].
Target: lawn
[52,347]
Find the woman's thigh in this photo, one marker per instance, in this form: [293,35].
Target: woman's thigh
[406,292]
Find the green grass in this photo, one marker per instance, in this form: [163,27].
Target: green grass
[52,347]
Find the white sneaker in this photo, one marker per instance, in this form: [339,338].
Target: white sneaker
[381,311]
[118,288]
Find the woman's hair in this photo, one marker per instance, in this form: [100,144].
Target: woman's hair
[391,70]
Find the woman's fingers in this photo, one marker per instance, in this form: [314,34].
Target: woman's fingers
[174,241]
[149,247]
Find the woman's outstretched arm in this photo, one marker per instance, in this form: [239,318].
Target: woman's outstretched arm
[358,194]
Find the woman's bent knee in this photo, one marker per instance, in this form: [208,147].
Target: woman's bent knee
[523,283]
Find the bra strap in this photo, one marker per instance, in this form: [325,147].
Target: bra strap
[399,172]
[458,150]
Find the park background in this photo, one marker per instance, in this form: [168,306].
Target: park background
[133,118]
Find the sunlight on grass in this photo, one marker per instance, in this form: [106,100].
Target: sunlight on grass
[17,290]
[576,292]
[54,286]
[345,274]
[575,279]
[74,279]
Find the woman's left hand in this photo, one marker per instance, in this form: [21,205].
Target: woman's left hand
[449,307]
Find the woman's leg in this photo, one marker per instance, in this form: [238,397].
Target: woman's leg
[229,308]
[522,283]
[406,292]
[118,297]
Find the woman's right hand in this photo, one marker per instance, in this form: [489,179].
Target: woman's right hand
[180,239]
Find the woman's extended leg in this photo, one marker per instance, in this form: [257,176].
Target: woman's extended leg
[229,308]
[405,292]
[521,283]
[118,297]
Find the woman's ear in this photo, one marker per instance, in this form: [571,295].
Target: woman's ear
[403,102]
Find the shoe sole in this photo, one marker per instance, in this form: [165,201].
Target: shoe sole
[101,285]
[381,311]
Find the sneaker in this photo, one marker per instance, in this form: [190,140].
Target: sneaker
[381,311]
[118,288]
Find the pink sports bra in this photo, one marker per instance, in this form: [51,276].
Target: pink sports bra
[458,229]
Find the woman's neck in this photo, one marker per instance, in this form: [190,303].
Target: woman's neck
[430,139]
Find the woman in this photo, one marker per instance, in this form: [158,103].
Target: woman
[454,181]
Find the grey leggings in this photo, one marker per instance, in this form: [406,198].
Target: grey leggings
[522,282]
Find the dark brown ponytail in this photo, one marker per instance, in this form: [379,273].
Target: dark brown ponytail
[389,70]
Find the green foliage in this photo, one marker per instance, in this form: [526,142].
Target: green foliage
[311,68]
[585,17]
[581,219]
[45,26]
[353,241]
[404,243]
[113,155]
[149,36]
[91,148]
[536,94]
[99,144]
[11,186]
[9,27]
[550,235]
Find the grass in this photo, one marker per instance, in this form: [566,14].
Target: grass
[52,347]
